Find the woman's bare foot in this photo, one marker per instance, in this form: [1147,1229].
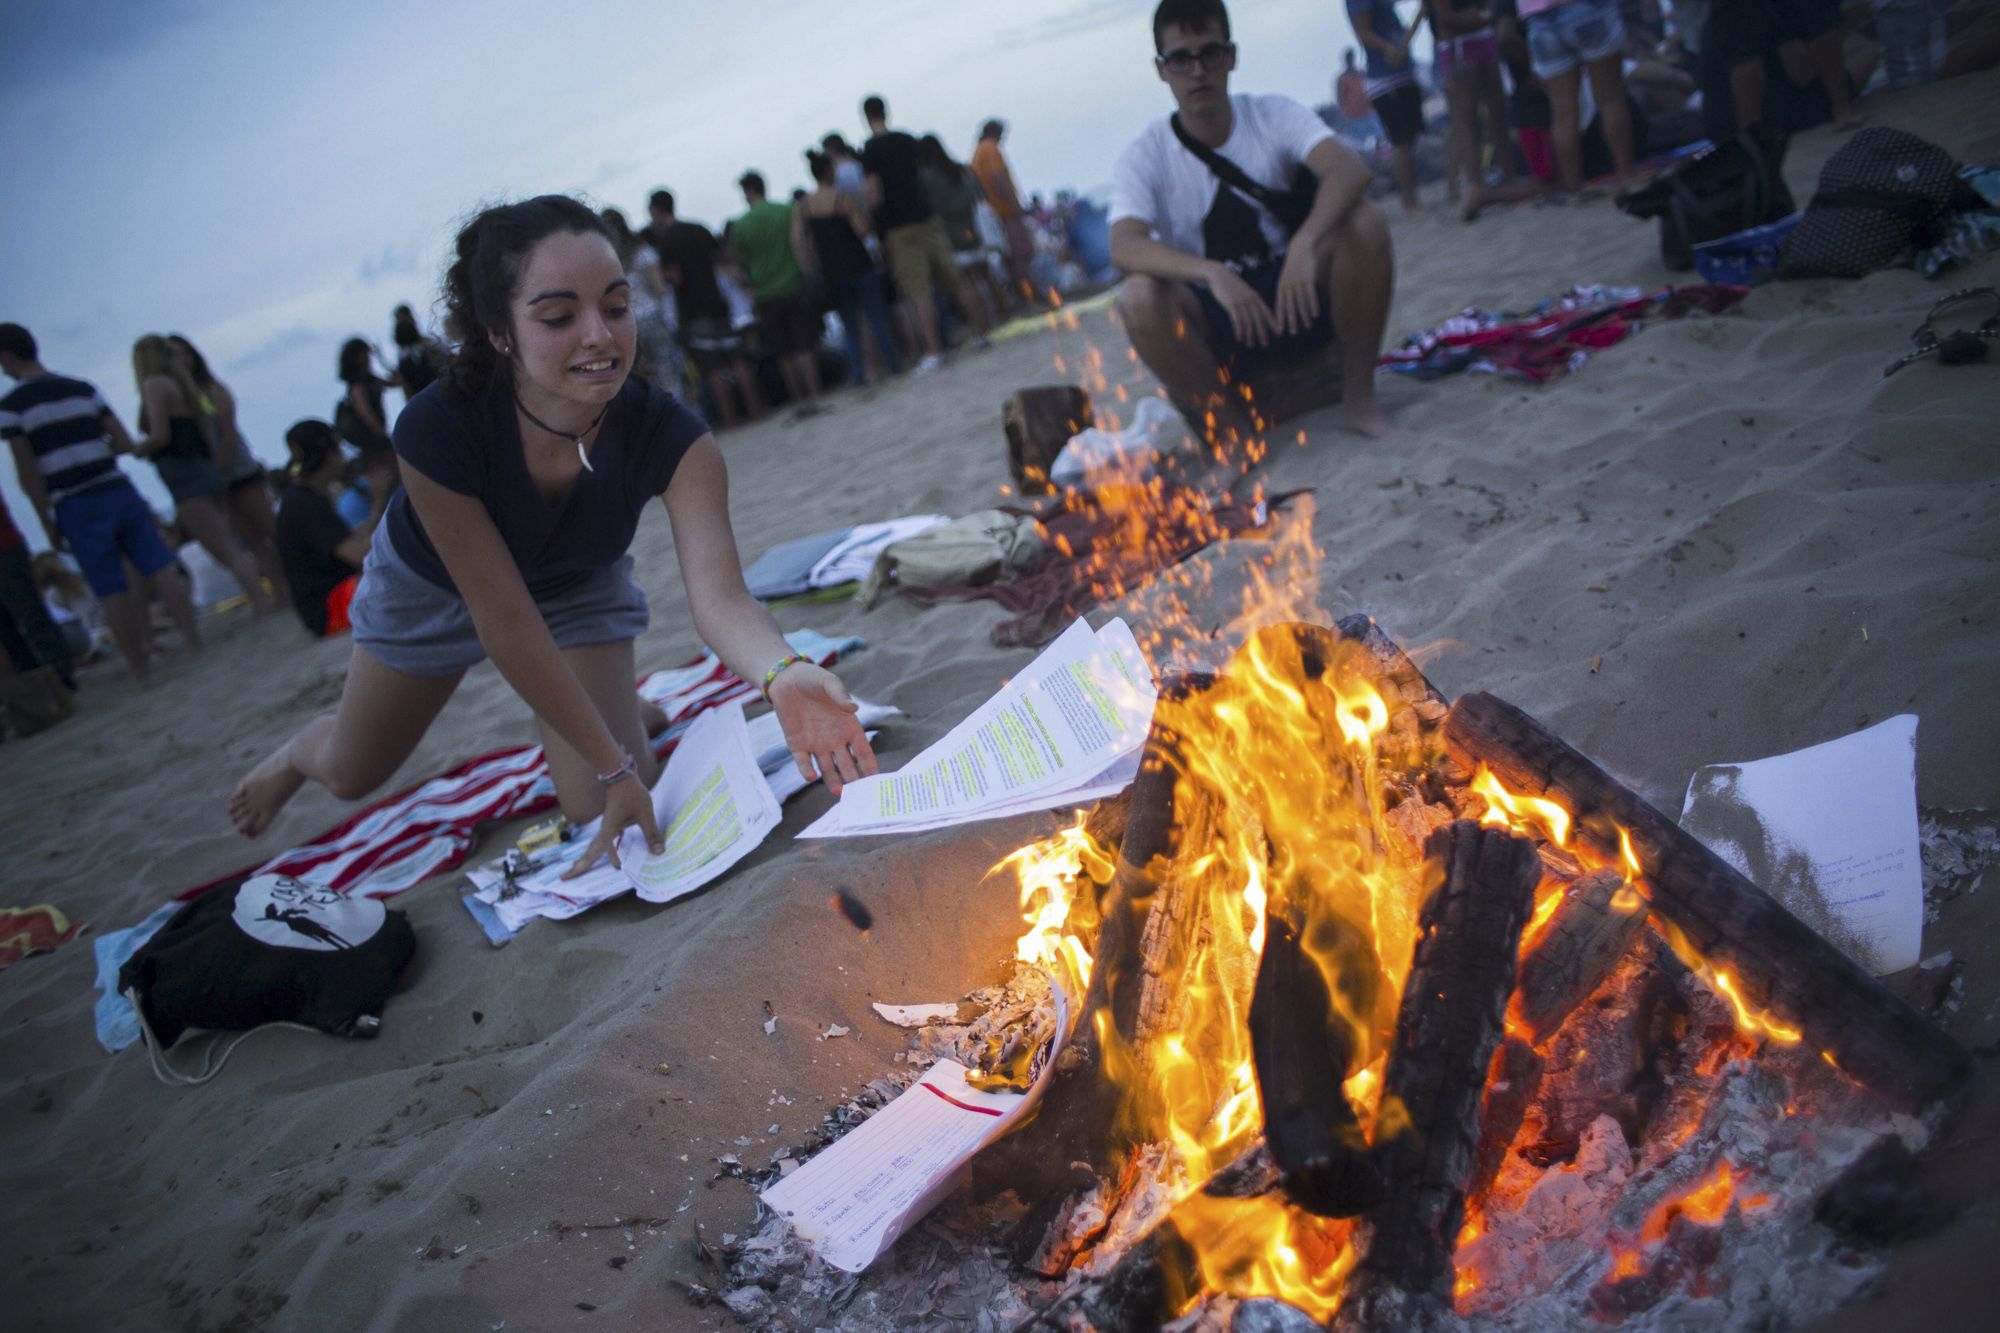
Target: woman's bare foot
[1365,417]
[258,798]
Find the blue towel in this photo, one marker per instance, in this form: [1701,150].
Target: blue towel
[784,570]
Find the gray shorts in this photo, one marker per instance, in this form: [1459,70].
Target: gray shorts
[189,478]
[411,625]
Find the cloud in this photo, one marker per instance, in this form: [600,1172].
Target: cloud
[391,261]
[1085,18]
[283,344]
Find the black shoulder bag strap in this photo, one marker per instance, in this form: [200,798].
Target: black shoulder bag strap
[1285,207]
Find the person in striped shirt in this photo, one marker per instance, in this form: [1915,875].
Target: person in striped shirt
[66,441]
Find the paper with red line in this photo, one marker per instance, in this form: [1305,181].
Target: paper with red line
[852,1201]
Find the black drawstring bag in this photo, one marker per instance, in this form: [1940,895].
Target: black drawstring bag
[268,950]
[1728,187]
[1884,194]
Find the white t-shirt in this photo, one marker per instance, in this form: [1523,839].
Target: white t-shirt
[1163,185]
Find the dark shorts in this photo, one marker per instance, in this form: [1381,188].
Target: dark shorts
[789,325]
[411,625]
[1243,361]
[1746,30]
[712,344]
[106,522]
[190,478]
[1401,111]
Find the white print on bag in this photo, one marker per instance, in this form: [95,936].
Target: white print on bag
[292,914]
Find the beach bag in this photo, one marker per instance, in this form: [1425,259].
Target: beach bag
[271,950]
[1038,422]
[1727,188]
[34,701]
[1885,194]
[987,547]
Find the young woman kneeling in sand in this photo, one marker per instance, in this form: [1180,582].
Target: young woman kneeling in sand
[525,471]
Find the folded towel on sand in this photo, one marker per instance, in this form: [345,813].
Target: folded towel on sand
[1554,338]
[827,559]
[430,828]
[32,930]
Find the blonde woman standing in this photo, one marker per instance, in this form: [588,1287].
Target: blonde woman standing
[247,497]
[179,441]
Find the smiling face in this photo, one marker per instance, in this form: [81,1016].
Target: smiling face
[573,332]
[1202,82]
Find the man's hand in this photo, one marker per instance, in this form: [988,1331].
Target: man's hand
[1252,320]
[1298,290]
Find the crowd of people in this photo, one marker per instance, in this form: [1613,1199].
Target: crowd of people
[1542,96]
[1241,219]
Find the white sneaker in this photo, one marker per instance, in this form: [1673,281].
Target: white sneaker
[928,365]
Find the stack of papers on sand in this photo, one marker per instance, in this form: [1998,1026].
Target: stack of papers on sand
[852,1201]
[1066,731]
[1830,832]
[716,800]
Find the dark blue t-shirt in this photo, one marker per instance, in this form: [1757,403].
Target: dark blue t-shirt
[472,445]
[1377,17]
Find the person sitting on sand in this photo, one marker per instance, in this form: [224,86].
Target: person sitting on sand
[322,555]
[526,470]
[1214,279]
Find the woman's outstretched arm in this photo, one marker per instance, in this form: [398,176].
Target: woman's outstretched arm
[811,703]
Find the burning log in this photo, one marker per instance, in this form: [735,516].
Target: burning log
[1584,939]
[1158,1273]
[1303,1045]
[1773,962]
[1453,1010]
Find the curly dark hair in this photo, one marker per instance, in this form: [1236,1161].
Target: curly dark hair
[480,283]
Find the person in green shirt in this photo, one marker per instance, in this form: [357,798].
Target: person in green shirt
[766,241]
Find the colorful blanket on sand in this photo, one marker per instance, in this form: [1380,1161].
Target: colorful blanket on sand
[25,931]
[1102,546]
[1554,338]
[427,829]
[432,827]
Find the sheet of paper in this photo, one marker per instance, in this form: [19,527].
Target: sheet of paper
[1830,832]
[852,1201]
[1058,729]
[713,810]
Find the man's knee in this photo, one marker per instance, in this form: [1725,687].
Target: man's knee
[1364,233]
[1146,302]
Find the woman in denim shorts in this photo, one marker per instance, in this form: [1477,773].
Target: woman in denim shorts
[1566,40]
[525,471]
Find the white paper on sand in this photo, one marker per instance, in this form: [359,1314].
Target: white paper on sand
[1831,832]
[852,1201]
[915,1015]
[693,767]
[1068,729]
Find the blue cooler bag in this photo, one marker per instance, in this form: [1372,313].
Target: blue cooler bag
[1745,258]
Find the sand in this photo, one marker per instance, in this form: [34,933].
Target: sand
[1723,539]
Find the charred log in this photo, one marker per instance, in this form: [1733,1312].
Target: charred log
[1511,1088]
[1454,1006]
[1304,1045]
[1779,965]
[1588,933]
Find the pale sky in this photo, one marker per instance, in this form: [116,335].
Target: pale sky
[272,178]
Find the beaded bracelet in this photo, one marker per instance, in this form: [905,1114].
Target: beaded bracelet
[629,768]
[789,659]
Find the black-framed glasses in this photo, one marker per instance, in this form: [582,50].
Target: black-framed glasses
[1210,57]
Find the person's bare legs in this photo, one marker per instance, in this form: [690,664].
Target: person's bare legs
[1607,84]
[805,367]
[1564,127]
[351,751]
[725,398]
[208,524]
[1746,89]
[1404,158]
[746,375]
[1359,261]
[256,527]
[1491,96]
[1164,323]
[606,672]
[178,598]
[125,615]
[1829,62]
[1461,100]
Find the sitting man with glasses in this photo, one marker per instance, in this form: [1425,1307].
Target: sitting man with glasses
[1247,245]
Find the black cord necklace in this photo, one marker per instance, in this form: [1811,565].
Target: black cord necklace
[576,439]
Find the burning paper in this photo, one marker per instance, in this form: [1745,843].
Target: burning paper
[1066,731]
[1830,832]
[852,1201]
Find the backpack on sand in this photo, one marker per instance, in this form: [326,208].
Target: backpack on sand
[1884,194]
[1729,187]
[986,547]
[269,950]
